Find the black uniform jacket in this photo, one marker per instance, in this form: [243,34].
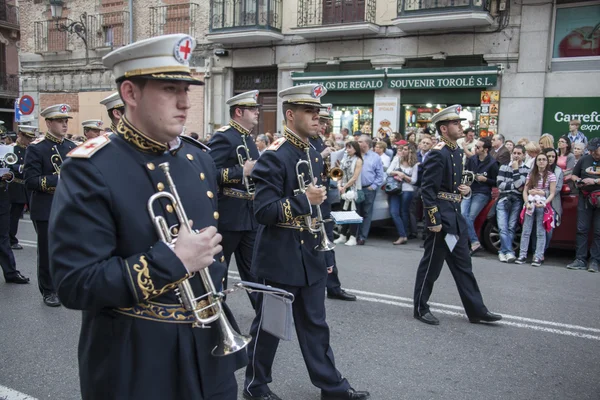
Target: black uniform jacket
[40,175]
[235,204]
[16,189]
[442,174]
[107,260]
[284,252]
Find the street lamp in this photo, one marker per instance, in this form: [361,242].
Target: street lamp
[77,27]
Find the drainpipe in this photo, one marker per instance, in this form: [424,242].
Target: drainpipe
[208,90]
[130,21]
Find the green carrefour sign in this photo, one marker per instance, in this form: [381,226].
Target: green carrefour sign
[558,111]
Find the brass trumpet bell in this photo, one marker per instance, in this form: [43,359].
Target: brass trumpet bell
[336,174]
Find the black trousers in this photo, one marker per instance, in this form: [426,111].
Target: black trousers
[333,281]
[43,267]
[240,244]
[7,258]
[313,336]
[459,262]
[16,212]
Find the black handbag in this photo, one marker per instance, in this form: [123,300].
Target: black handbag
[392,186]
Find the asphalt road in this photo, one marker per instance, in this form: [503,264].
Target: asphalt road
[547,347]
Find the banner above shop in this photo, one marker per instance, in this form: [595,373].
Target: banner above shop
[558,111]
[351,80]
[409,78]
[442,78]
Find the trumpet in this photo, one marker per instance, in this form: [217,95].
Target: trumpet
[468,177]
[243,155]
[336,173]
[319,223]
[56,160]
[7,157]
[207,308]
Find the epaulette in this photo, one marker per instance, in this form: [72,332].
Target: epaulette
[89,147]
[194,142]
[223,128]
[38,140]
[277,144]
[439,146]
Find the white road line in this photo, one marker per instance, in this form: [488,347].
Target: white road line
[27,220]
[519,322]
[10,394]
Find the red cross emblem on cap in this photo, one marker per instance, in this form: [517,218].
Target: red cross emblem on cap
[183,49]
[318,91]
[100,123]
[458,109]
[329,109]
[256,96]
[63,108]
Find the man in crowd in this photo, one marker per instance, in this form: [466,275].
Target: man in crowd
[485,169]
[467,144]
[115,108]
[575,135]
[511,181]
[92,128]
[586,178]
[447,240]
[43,163]
[371,178]
[380,148]
[499,152]
[345,132]
[262,142]
[19,196]
[285,256]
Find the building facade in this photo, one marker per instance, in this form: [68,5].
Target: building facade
[9,61]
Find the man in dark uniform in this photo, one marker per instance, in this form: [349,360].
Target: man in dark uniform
[7,175]
[92,128]
[285,256]
[115,108]
[16,190]
[137,340]
[334,286]
[228,146]
[447,239]
[43,160]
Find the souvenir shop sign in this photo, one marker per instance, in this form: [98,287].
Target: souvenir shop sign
[353,80]
[442,78]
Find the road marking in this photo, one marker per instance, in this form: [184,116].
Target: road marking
[10,394]
[509,320]
[27,243]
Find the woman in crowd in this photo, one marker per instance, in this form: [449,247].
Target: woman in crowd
[538,193]
[556,201]
[404,169]
[566,159]
[546,141]
[532,149]
[351,165]
[411,137]
[578,151]
[523,141]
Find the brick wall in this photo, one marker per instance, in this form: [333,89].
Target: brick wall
[195,121]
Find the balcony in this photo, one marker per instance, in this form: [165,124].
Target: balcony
[108,30]
[48,39]
[175,18]
[422,15]
[245,21]
[9,16]
[9,86]
[327,18]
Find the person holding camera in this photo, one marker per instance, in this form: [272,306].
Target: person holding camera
[586,175]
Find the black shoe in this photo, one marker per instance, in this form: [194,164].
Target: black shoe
[51,300]
[360,242]
[266,396]
[341,294]
[536,262]
[487,317]
[428,318]
[16,246]
[521,260]
[17,278]
[476,250]
[350,394]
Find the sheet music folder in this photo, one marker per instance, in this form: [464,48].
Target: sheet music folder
[346,217]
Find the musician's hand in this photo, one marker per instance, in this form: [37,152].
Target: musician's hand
[198,250]
[248,166]
[329,270]
[464,190]
[7,176]
[436,228]
[316,195]
[327,152]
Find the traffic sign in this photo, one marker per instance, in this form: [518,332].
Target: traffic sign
[26,104]
[17,112]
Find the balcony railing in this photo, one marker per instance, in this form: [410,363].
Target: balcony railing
[411,7]
[48,38]
[108,30]
[245,14]
[9,15]
[9,85]
[313,13]
[176,18]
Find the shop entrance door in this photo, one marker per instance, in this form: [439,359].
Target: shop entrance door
[343,11]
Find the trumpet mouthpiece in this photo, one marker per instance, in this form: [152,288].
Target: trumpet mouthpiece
[164,166]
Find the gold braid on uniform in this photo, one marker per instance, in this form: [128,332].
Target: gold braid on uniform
[53,138]
[44,185]
[138,139]
[453,146]
[294,139]
[145,283]
[239,128]
[286,207]
[431,212]
[173,313]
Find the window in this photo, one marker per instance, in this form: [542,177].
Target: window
[577,31]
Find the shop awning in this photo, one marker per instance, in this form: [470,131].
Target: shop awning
[442,78]
[347,80]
